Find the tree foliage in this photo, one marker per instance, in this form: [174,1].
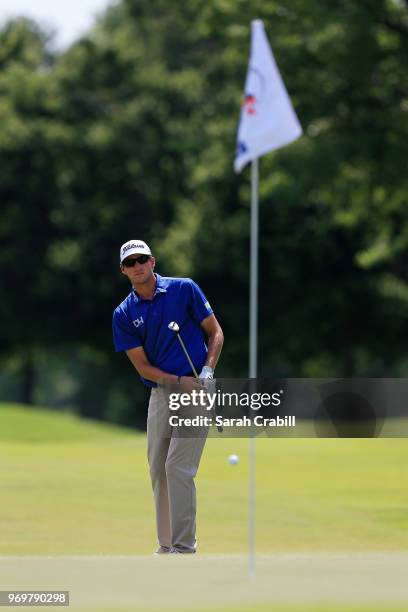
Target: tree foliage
[131,133]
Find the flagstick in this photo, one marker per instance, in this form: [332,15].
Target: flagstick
[262,111]
[253,310]
[253,366]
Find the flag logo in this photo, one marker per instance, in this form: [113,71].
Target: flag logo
[256,85]
[241,148]
[250,104]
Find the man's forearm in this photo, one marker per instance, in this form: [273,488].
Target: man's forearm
[150,372]
[215,342]
[158,376]
[185,383]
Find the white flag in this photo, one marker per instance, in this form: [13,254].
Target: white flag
[268,120]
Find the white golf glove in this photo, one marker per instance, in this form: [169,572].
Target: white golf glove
[206,372]
[207,376]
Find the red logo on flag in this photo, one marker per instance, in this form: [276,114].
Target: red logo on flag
[249,104]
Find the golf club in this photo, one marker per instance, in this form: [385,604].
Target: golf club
[175,327]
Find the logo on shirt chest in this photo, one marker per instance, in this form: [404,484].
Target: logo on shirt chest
[138,322]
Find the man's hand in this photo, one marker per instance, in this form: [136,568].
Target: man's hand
[206,372]
[207,378]
[190,383]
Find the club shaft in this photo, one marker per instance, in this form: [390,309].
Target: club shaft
[187,355]
[219,427]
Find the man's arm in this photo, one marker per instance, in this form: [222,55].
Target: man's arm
[215,340]
[143,366]
[139,359]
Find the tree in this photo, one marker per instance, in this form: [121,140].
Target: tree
[28,192]
[131,133]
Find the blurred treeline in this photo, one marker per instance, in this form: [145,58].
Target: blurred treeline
[130,133]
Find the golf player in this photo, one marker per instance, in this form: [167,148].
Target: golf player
[141,328]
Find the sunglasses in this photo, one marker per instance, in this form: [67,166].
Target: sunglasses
[129,263]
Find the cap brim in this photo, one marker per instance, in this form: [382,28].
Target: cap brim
[134,252]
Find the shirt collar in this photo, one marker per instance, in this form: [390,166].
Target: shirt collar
[161,287]
[161,284]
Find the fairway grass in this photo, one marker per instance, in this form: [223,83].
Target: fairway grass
[332,521]
[74,487]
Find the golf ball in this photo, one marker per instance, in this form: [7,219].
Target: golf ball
[233,459]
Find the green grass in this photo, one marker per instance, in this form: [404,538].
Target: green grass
[327,607]
[70,487]
[268,607]
[34,425]
[74,487]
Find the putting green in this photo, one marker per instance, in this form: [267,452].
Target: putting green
[215,581]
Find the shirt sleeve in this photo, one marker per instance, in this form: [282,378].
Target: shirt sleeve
[124,335]
[199,305]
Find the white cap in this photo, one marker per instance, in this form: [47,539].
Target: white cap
[134,247]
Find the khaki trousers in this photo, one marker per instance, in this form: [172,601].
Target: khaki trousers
[173,463]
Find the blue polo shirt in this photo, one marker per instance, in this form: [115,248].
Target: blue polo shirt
[140,322]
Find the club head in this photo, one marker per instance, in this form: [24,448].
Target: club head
[174,326]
